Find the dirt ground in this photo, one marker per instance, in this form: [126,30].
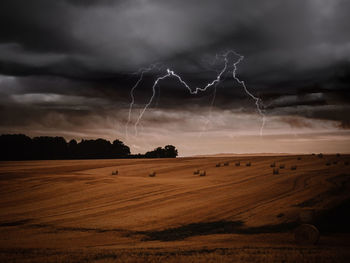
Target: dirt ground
[77,211]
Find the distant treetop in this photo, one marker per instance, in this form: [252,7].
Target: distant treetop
[22,147]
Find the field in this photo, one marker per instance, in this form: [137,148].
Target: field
[77,211]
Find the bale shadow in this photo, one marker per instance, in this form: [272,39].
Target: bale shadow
[335,220]
[15,223]
[211,228]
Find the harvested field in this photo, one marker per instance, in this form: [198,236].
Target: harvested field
[75,211]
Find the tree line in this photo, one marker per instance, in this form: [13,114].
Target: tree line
[22,147]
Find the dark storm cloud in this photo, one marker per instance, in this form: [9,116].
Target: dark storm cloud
[39,26]
[114,36]
[293,51]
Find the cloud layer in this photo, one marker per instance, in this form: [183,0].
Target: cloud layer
[71,62]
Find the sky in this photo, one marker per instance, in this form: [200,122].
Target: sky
[67,69]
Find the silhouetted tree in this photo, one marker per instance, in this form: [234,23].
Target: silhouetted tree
[168,151]
[94,149]
[15,147]
[120,149]
[45,147]
[22,147]
[73,148]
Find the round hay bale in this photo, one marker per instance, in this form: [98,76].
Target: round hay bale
[152,174]
[203,173]
[307,215]
[306,234]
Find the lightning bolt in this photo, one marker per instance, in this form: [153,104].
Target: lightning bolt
[258,101]
[151,99]
[210,112]
[142,73]
[170,73]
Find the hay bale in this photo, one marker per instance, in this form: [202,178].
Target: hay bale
[275,171]
[196,172]
[293,167]
[115,172]
[238,163]
[282,166]
[152,174]
[248,164]
[307,215]
[306,234]
[273,165]
[203,173]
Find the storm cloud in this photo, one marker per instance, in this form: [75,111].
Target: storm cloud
[73,63]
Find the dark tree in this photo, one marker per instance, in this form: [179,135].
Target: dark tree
[94,149]
[168,151]
[45,147]
[15,147]
[72,148]
[120,149]
[22,147]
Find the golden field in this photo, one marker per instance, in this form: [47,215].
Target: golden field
[77,211]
